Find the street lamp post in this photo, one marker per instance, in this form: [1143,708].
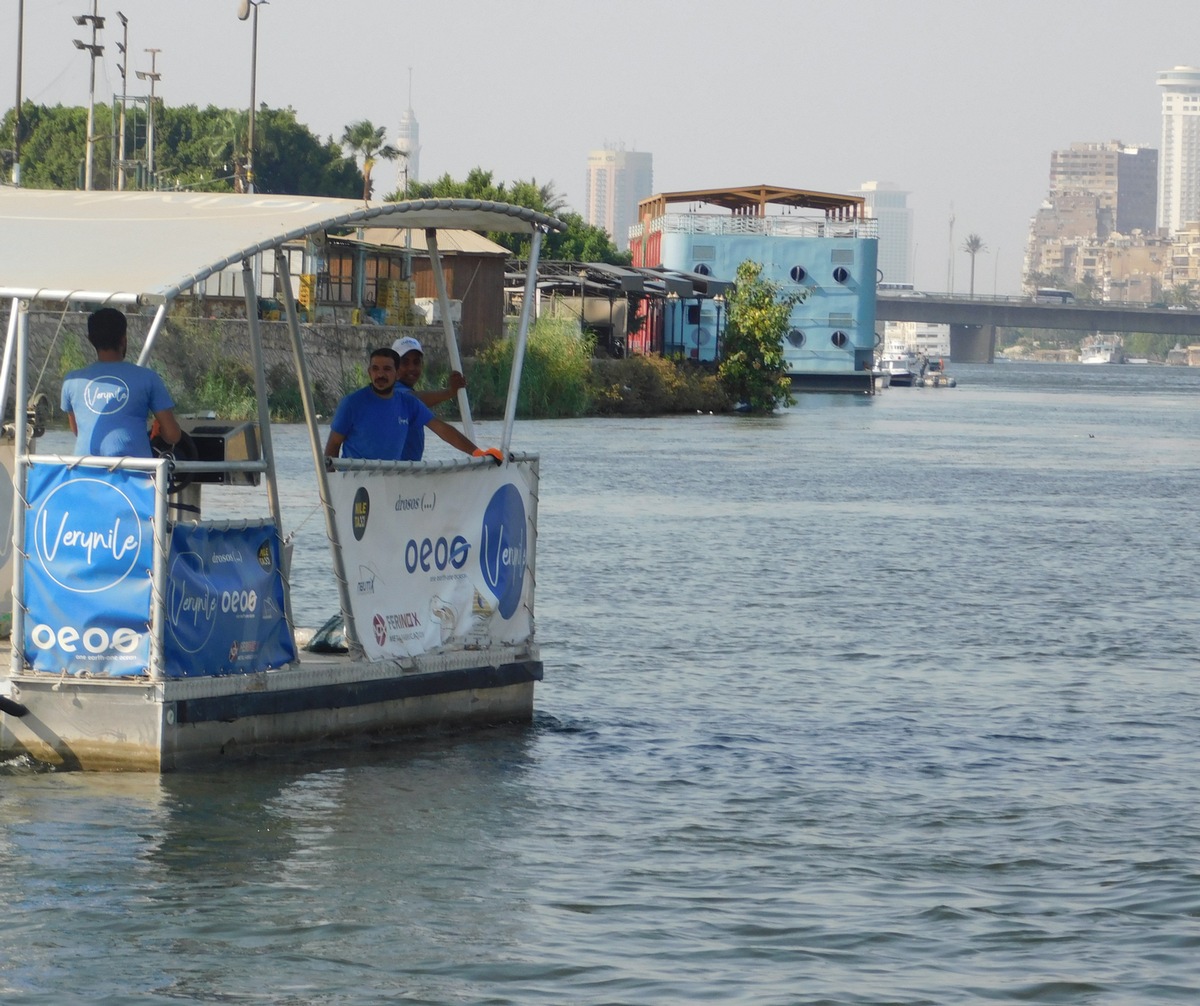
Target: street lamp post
[245,7]
[153,76]
[16,168]
[124,68]
[97,24]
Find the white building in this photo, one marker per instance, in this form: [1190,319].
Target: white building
[889,205]
[617,180]
[930,339]
[1179,154]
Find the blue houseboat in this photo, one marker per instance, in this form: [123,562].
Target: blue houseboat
[819,243]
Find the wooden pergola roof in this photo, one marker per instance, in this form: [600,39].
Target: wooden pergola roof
[752,200]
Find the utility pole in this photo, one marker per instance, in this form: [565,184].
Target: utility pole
[124,68]
[97,23]
[16,169]
[153,76]
[246,8]
[950,258]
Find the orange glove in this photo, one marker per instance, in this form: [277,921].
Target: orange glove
[490,452]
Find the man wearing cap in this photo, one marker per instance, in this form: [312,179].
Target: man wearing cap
[108,402]
[412,363]
[373,422]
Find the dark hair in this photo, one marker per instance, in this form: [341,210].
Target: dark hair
[387,351]
[106,328]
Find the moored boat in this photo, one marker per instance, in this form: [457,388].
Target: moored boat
[1101,349]
[145,635]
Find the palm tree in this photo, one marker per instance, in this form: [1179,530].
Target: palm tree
[363,140]
[973,246]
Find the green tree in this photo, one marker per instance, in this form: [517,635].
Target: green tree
[752,369]
[581,242]
[369,142]
[201,149]
[54,145]
[973,246]
[1182,295]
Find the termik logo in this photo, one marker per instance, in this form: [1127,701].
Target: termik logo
[88,536]
[502,550]
[105,395]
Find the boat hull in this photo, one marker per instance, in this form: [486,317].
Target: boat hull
[169,725]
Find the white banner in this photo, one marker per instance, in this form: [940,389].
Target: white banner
[438,559]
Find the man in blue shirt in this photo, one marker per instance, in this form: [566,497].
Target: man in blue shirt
[373,422]
[108,402]
[408,373]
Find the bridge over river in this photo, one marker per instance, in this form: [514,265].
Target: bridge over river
[973,320]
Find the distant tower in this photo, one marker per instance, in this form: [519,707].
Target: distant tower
[889,205]
[617,180]
[1179,155]
[408,142]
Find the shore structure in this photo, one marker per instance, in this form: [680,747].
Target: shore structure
[819,244]
[145,635]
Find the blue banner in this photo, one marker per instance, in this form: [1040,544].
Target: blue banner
[225,611]
[89,544]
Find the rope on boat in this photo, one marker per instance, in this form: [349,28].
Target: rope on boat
[46,362]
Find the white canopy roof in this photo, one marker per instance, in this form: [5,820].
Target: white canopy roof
[148,246]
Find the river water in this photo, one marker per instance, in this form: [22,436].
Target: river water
[889,700]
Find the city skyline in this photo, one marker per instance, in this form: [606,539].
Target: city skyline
[959,106]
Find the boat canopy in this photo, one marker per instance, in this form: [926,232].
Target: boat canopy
[147,247]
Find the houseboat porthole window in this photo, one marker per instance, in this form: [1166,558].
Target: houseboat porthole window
[796,337]
[798,274]
[841,274]
[702,269]
[839,339]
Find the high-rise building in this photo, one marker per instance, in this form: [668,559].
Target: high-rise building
[1123,179]
[1179,155]
[617,180]
[408,142]
[889,205]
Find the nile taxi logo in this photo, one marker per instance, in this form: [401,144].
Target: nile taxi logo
[360,512]
[502,548]
[105,394]
[87,535]
[264,556]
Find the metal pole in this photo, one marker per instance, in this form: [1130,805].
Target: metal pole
[260,389]
[16,171]
[20,480]
[314,438]
[124,101]
[253,81]
[9,345]
[158,573]
[91,118]
[439,284]
[514,378]
[154,76]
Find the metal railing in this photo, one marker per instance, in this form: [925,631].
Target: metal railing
[770,226]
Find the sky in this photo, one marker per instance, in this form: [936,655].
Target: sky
[958,102]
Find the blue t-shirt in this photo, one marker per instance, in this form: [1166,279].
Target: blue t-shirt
[414,443]
[111,402]
[377,427]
